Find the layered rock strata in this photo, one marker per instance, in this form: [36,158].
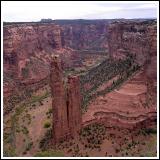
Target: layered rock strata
[74,104]
[126,107]
[23,41]
[140,40]
[60,125]
[66,104]
[137,38]
[29,45]
[134,103]
[85,36]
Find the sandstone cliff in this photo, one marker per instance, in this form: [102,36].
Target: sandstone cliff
[28,48]
[138,94]
[74,105]
[24,41]
[140,40]
[66,105]
[27,54]
[85,36]
[137,38]
[60,125]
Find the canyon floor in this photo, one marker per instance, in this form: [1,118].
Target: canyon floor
[26,128]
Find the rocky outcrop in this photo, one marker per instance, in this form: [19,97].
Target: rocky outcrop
[27,54]
[66,109]
[151,65]
[24,41]
[60,121]
[126,107]
[112,119]
[109,70]
[74,104]
[137,38]
[85,36]
[140,40]
[28,48]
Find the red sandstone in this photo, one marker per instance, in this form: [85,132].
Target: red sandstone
[66,109]
[60,125]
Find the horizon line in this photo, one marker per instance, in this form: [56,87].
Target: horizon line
[83,19]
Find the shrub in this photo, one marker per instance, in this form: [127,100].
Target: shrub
[70,150]
[49,153]
[47,124]
[48,117]
[50,110]
[29,146]
[19,110]
[44,142]
[33,105]
[25,130]
[143,143]
[24,152]
[25,72]
[151,130]
[87,155]
[129,145]
[10,152]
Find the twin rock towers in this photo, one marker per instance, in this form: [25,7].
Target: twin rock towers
[66,103]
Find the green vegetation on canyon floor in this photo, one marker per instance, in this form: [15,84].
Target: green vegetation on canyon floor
[98,140]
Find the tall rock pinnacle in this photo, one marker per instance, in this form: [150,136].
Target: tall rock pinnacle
[60,125]
[66,105]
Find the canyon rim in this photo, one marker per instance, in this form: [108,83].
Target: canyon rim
[80,88]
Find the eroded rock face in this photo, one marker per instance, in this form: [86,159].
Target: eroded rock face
[139,39]
[60,121]
[66,109]
[23,41]
[28,48]
[31,38]
[151,65]
[85,36]
[125,107]
[74,105]
[138,94]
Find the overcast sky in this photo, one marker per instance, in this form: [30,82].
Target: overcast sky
[34,10]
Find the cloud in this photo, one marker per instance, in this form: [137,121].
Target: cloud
[146,6]
[34,10]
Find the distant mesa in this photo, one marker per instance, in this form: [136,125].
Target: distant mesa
[46,20]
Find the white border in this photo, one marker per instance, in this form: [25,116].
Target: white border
[1,83]
[157,2]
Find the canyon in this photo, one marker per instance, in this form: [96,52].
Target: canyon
[138,40]
[28,48]
[84,75]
